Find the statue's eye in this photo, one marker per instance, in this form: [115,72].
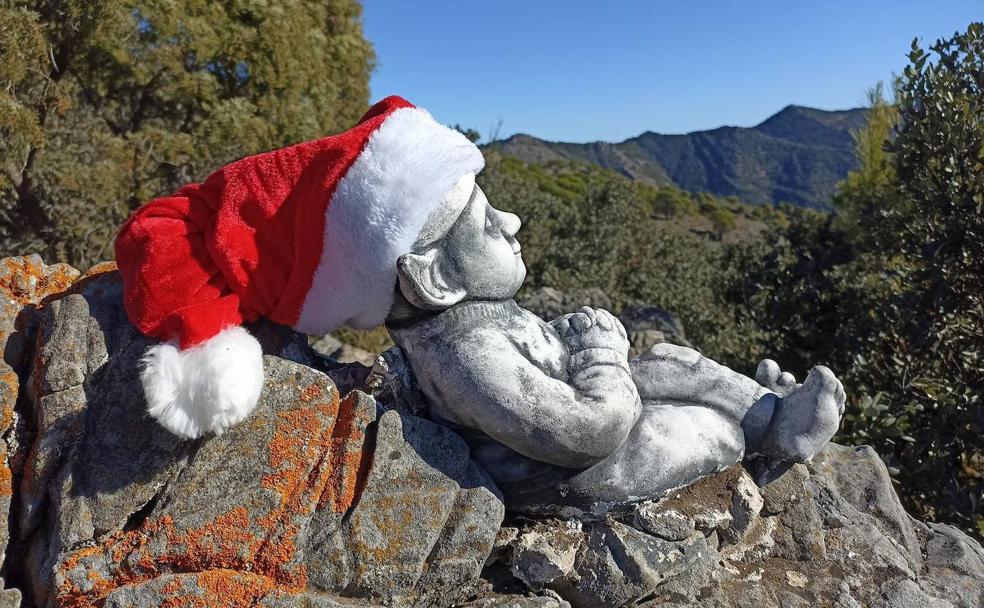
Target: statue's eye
[489,224]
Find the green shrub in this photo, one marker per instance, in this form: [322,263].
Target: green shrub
[105,104]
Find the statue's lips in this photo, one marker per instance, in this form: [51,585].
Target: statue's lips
[516,247]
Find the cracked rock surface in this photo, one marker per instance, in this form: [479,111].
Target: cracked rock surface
[339,492]
[830,533]
[318,499]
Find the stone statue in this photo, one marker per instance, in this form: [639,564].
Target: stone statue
[555,411]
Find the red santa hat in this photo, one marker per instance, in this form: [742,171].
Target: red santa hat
[307,236]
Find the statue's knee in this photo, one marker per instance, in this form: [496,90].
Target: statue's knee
[670,353]
[665,348]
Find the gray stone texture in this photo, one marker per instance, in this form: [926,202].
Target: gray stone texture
[329,500]
[828,533]
[317,499]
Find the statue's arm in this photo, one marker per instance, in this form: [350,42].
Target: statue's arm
[576,423]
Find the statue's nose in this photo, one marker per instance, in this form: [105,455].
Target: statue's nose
[510,223]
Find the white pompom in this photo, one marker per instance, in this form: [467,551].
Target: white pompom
[207,388]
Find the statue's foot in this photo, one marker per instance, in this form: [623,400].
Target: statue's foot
[806,417]
[771,377]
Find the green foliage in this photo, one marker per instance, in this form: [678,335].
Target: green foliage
[472,135]
[587,227]
[107,104]
[860,196]
[799,154]
[671,202]
[889,292]
[722,219]
[936,233]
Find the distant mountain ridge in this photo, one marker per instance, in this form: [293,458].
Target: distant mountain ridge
[797,155]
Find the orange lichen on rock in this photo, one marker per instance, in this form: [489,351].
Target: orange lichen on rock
[232,589]
[26,282]
[312,392]
[128,557]
[171,587]
[314,456]
[350,457]
[6,477]
[8,393]
[98,269]
[8,397]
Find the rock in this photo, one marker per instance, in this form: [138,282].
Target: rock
[24,284]
[621,565]
[549,303]
[667,524]
[330,346]
[830,533]
[518,601]
[427,516]
[329,498]
[503,541]
[9,598]
[648,326]
[327,345]
[317,499]
[545,554]
[391,382]
[206,588]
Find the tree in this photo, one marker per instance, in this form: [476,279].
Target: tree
[722,219]
[670,202]
[889,292]
[472,135]
[936,229]
[107,104]
[868,188]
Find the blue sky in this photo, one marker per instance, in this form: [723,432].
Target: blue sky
[583,71]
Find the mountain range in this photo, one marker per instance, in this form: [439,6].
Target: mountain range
[797,155]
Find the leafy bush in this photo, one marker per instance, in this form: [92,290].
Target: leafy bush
[587,227]
[890,292]
[105,104]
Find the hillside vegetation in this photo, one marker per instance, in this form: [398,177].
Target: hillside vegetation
[105,104]
[887,290]
[798,155]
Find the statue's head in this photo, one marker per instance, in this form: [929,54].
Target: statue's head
[466,251]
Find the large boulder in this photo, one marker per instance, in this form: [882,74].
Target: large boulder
[338,492]
[318,499]
[829,533]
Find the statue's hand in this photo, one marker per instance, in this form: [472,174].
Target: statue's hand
[591,328]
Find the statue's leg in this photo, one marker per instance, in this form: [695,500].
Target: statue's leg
[681,376]
[670,446]
[806,418]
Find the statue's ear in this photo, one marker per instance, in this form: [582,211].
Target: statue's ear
[423,283]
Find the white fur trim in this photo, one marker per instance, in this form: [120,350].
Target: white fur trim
[408,166]
[207,388]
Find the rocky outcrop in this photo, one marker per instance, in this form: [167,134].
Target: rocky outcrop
[318,499]
[648,326]
[338,492]
[830,533]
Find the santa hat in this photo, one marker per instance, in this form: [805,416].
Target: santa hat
[307,236]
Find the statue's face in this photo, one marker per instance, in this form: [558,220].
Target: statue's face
[466,251]
[480,254]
